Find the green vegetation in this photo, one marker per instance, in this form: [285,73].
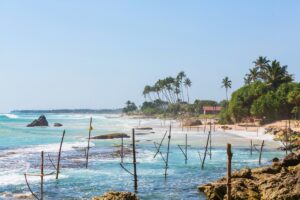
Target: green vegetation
[130,107]
[269,94]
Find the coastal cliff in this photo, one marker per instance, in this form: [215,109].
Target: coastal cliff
[281,181]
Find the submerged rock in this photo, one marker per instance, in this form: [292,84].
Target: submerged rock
[111,136]
[41,121]
[117,196]
[281,181]
[144,128]
[57,125]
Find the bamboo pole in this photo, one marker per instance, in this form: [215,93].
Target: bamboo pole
[229,158]
[260,152]
[42,174]
[88,147]
[134,161]
[59,154]
[168,150]
[286,137]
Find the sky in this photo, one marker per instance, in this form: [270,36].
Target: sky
[99,54]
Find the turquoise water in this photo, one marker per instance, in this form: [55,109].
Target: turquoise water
[20,149]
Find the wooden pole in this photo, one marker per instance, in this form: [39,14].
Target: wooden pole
[88,147]
[185,148]
[205,150]
[42,174]
[134,161]
[251,147]
[168,150]
[210,141]
[122,149]
[59,154]
[260,152]
[229,158]
[286,137]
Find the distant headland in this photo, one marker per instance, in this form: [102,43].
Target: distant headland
[73,111]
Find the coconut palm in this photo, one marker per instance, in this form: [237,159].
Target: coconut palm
[226,83]
[187,84]
[146,92]
[275,74]
[261,62]
[179,79]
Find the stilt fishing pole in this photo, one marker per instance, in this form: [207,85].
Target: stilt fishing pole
[159,145]
[88,146]
[185,149]
[134,163]
[168,151]
[41,175]
[205,152]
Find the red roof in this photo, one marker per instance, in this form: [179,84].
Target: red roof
[212,108]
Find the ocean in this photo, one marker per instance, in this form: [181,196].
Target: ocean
[21,146]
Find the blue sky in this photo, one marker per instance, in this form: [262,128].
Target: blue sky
[98,54]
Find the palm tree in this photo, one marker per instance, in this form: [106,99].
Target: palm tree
[261,62]
[146,92]
[187,84]
[226,83]
[275,74]
[179,79]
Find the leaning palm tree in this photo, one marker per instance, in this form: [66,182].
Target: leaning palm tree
[146,92]
[179,79]
[226,83]
[187,84]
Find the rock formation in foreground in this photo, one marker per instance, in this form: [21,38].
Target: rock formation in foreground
[41,121]
[117,196]
[281,181]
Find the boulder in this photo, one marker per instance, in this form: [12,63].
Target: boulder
[291,160]
[192,122]
[111,136]
[265,183]
[41,121]
[117,196]
[57,125]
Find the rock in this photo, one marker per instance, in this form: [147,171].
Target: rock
[291,160]
[41,121]
[275,159]
[144,128]
[265,183]
[192,122]
[111,136]
[117,196]
[57,125]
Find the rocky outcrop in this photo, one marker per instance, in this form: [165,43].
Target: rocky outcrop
[57,125]
[111,136]
[280,181]
[192,122]
[41,121]
[117,196]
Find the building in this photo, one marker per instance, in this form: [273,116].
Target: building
[211,109]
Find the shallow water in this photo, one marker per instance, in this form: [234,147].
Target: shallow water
[20,149]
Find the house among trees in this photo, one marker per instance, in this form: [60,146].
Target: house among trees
[211,109]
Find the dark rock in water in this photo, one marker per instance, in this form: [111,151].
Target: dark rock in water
[275,159]
[117,196]
[144,128]
[41,121]
[57,125]
[111,136]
